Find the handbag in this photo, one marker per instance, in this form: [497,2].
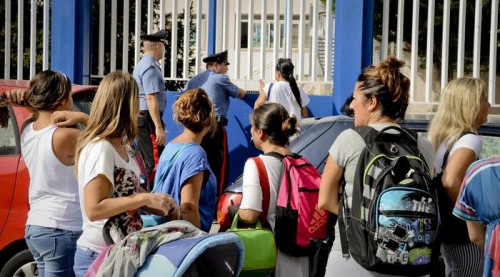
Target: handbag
[260,249]
[149,220]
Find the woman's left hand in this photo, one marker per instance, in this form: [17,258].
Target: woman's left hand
[68,118]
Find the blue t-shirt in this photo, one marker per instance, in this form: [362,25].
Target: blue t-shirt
[189,161]
[147,74]
[478,202]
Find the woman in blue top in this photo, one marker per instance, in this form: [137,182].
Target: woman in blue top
[183,170]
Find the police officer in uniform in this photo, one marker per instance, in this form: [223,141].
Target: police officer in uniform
[219,88]
[149,78]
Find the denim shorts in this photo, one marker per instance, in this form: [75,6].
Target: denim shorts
[83,260]
[53,249]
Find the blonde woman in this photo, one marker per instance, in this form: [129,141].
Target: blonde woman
[462,109]
[108,177]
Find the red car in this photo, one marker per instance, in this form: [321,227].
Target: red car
[14,180]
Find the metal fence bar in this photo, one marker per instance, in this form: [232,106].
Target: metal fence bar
[328,41]
[173,54]
[446,43]
[429,51]
[477,39]
[187,20]
[302,39]
[125,34]
[277,30]
[414,48]
[399,29]
[224,24]
[461,39]
[199,18]
[33,38]
[46,33]
[162,26]
[385,30]
[20,39]
[250,39]
[151,16]
[314,38]
[492,75]
[288,22]
[263,36]
[237,40]
[113,36]
[137,43]
[100,67]
[8,21]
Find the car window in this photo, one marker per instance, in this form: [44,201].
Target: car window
[83,102]
[491,146]
[8,135]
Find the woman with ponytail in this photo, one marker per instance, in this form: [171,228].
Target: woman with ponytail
[284,91]
[380,98]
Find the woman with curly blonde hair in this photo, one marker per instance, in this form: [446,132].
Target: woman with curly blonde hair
[462,109]
[183,170]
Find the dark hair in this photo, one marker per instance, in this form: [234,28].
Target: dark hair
[285,68]
[194,110]
[274,120]
[48,89]
[385,82]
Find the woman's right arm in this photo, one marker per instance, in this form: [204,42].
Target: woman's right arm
[262,95]
[455,170]
[329,190]
[476,232]
[99,206]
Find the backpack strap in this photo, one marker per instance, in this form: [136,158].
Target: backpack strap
[269,90]
[342,217]
[163,175]
[370,134]
[445,158]
[264,184]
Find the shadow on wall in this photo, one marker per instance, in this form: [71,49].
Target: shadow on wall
[238,129]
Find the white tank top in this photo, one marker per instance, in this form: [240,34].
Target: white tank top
[53,192]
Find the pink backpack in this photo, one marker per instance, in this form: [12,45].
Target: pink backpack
[298,218]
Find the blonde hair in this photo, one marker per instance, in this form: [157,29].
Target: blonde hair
[114,111]
[458,110]
[194,110]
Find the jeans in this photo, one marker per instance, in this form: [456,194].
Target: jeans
[83,260]
[53,249]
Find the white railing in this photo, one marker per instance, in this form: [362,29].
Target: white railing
[423,79]
[14,43]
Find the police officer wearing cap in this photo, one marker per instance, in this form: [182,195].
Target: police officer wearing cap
[149,78]
[219,88]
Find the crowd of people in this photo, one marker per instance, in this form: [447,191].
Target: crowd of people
[85,194]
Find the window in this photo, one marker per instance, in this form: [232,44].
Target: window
[8,128]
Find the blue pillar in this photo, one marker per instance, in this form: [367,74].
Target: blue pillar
[212,25]
[70,39]
[353,46]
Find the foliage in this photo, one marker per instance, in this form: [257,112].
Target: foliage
[333,5]
[170,85]
[438,30]
[14,39]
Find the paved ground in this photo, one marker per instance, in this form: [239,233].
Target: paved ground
[215,227]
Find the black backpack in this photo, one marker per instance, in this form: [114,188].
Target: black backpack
[393,224]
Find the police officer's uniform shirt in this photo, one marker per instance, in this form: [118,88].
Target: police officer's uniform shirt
[149,78]
[219,88]
[198,80]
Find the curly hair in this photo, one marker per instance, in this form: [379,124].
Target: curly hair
[194,110]
[385,82]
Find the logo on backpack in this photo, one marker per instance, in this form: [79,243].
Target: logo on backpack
[298,218]
[392,224]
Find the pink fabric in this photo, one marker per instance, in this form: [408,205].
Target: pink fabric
[94,267]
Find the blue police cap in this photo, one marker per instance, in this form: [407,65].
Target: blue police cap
[161,35]
[218,58]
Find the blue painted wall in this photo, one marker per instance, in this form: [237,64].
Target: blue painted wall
[238,130]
